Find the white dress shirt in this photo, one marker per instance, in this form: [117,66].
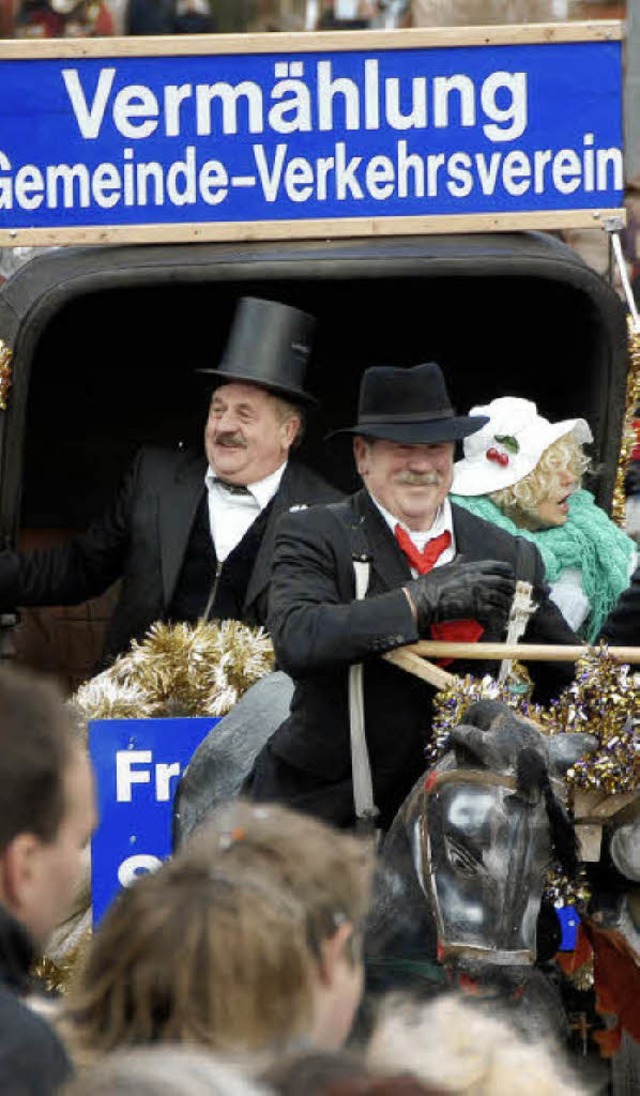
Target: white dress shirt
[442,522]
[231,514]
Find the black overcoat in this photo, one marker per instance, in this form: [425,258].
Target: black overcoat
[319,630]
[622,626]
[142,538]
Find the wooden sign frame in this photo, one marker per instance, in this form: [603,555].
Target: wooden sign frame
[15,231]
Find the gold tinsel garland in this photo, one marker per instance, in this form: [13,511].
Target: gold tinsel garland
[619,503]
[180,669]
[176,670]
[6,355]
[603,700]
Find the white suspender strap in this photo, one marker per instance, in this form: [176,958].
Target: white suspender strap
[365,807]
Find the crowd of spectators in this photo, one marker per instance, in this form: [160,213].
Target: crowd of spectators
[100,18]
[236,967]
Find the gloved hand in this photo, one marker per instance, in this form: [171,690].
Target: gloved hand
[480,591]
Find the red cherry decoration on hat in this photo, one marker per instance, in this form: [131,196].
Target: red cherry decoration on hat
[498,456]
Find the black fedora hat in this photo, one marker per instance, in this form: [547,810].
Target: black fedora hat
[410,406]
[269,345]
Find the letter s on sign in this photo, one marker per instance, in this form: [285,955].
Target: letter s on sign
[134,866]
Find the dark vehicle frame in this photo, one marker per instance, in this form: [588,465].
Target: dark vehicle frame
[105,342]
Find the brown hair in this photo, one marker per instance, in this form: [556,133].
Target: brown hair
[336,1073]
[327,870]
[193,954]
[36,744]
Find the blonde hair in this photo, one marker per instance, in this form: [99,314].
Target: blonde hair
[523,497]
[327,870]
[192,954]
[457,1047]
[221,945]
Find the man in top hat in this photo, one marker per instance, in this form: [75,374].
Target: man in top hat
[190,534]
[434,571]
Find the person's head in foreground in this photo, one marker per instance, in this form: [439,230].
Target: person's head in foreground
[529,467]
[239,953]
[327,872]
[459,1047]
[47,803]
[161,1070]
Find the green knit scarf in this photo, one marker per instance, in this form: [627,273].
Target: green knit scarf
[589,541]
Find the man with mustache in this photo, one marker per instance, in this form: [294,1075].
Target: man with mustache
[190,534]
[434,571]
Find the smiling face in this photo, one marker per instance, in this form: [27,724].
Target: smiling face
[410,481]
[248,433]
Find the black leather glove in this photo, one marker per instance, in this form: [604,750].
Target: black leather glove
[480,591]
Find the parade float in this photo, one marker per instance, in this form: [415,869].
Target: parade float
[409,189]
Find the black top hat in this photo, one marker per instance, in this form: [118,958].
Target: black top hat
[410,406]
[269,345]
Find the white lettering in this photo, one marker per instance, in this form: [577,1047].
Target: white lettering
[89,119]
[136,101]
[270,178]
[516,167]
[516,110]
[135,866]
[126,777]
[164,773]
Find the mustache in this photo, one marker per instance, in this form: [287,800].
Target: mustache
[420,479]
[231,440]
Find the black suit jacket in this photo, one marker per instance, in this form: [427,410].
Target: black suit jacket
[319,630]
[142,538]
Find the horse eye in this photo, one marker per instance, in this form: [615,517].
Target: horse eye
[461,858]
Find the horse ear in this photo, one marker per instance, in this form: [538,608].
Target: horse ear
[484,713]
[469,742]
[566,749]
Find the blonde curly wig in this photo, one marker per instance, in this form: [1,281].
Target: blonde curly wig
[524,497]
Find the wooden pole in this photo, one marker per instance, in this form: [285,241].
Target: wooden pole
[523,652]
[413,658]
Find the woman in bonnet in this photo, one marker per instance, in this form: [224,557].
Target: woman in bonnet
[524,473]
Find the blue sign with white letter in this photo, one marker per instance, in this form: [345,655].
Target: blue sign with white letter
[138,763]
[338,134]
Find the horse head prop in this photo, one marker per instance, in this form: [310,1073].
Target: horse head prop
[491,823]
[462,869]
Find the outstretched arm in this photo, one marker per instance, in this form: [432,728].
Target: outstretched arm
[84,567]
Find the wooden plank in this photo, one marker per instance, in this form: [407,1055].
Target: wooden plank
[189,45]
[306,230]
[592,805]
[407,660]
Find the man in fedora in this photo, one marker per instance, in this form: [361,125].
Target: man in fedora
[434,570]
[191,534]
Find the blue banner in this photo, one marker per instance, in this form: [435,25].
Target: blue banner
[241,138]
[138,763]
